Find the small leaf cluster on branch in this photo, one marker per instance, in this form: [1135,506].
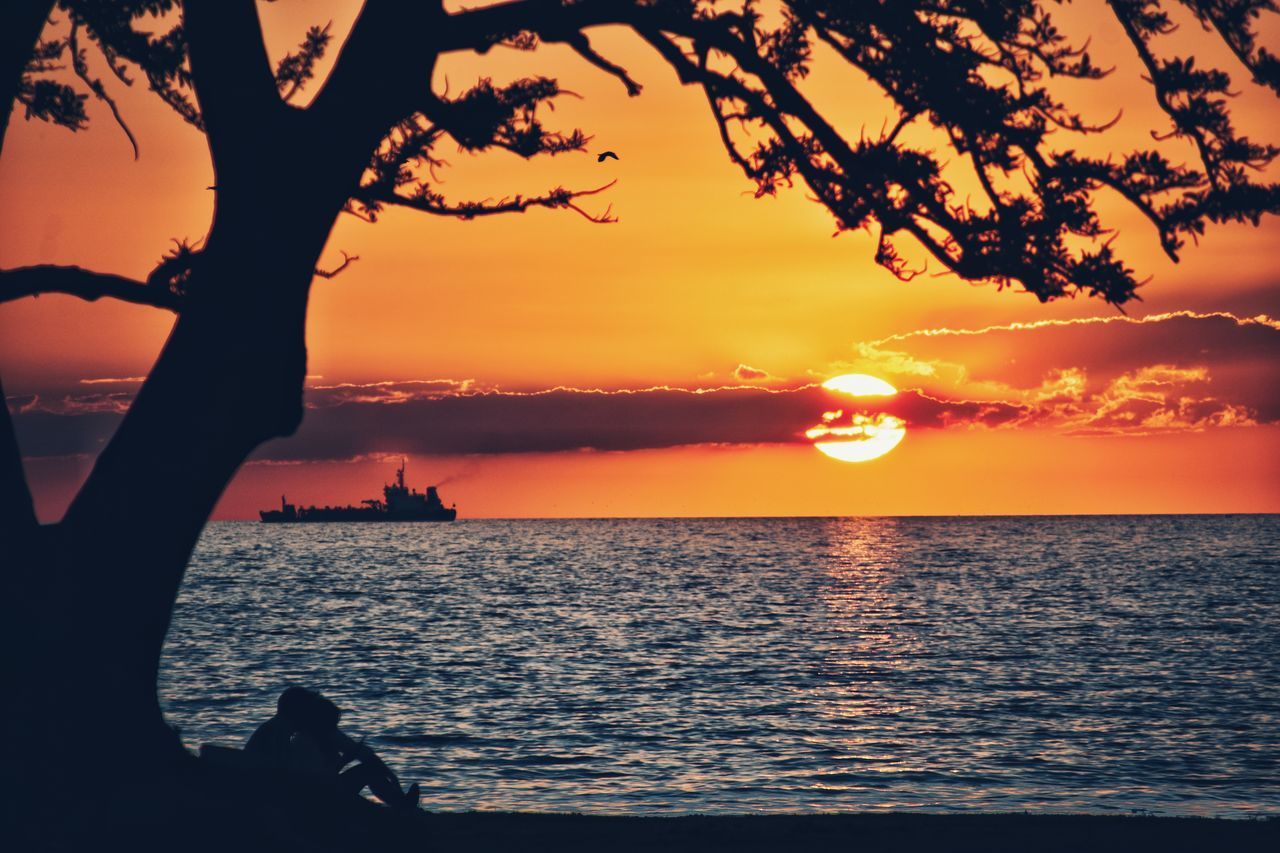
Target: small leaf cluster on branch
[296,69]
[45,99]
[109,24]
[484,117]
[113,26]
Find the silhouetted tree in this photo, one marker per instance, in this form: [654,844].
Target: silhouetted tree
[91,596]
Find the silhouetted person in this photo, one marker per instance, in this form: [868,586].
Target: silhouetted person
[303,737]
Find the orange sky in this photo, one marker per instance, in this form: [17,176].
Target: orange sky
[698,277]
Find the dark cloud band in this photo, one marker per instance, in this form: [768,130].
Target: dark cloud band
[550,421]
[1171,372]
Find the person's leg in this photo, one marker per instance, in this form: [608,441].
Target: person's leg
[354,778]
[383,785]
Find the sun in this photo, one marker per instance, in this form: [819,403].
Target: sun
[860,385]
[857,436]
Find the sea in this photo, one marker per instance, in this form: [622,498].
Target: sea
[1104,664]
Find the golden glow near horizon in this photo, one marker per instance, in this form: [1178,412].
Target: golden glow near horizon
[865,436]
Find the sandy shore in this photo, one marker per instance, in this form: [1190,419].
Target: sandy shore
[866,833]
[375,829]
[210,809]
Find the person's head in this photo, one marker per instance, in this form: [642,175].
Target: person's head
[307,711]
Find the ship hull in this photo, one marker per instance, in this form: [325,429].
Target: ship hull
[321,515]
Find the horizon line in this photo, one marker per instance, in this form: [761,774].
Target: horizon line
[791,517]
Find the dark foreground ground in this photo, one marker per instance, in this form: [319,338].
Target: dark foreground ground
[238,813]
[855,832]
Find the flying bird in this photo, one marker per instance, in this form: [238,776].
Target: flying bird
[605,155]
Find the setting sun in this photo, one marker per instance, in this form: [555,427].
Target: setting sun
[857,436]
[860,385]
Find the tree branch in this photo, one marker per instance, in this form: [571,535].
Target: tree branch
[347,260]
[91,286]
[86,284]
[379,75]
[231,74]
[582,46]
[1233,21]
[81,68]
[480,29]
[432,202]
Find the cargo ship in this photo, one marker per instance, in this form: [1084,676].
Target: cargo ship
[399,503]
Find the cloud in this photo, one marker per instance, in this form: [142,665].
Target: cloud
[1175,371]
[46,434]
[116,402]
[120,380]
[747,373]
[565,419]
[1153,399]
[873,358]
[390,391]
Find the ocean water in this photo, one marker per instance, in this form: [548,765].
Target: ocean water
[1102,664]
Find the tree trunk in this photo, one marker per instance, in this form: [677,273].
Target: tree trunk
[91,603]
[96,608]
[21,22]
